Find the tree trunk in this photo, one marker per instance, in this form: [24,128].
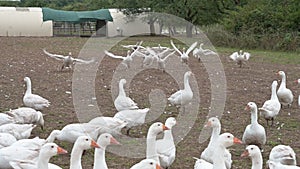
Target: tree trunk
[152,27]
[189,30]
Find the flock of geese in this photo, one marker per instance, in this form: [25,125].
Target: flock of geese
[19,152]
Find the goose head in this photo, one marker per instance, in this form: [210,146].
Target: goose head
[227,140]
[170,122]
[251,151]
[52,149]
[251,106]
[157,128]
[106,139]
[281,73]
[275,83]
[188,73]
[213,122]
[241,52]
[298,81]
[123,81]
[85,143]
[70,53]
[128,53]
[149,164]
[27,79]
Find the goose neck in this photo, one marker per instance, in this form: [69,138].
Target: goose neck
[43,161]
[168,135]
[76,155]
[99,158]
[215,133]
[254,116]
[283,81]
[151,147]
[28,85]
[121,89]
[257,162]
[219,160]
[274,94]
[186,83]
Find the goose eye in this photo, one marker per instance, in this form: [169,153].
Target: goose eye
[52,146]
[151,163]
[86,139]
[106,136]
[158,124]
[228,136]
[252,148]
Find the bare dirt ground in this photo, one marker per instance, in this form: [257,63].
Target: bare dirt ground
[22,57]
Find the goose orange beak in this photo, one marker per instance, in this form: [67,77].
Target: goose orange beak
[245,153]
[237,141]
[94,144]
[247,107]
[113,141]
[208,124]
[61,151]
[158,166]
[165,127]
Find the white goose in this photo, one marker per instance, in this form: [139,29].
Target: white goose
[153,131]
[16,153]
[283,154]
[68,60]
[298,82]
[271,107]
[277,165]
[197,52]
[284,94]
[6,140]
[240,57]
[208,152]
[126,60]
[27,115]
[224,140]
[109,124]
[19,131]
[160,57]
[165,147]
[71,132]
[254,132]
[132,117]
[184,96]
[32,100]
[122,102]
[148,58]
[99,158]
[254,153]
[133,46]
[184,55]
[82,143]
[47,151]
[6,119]
[146,164]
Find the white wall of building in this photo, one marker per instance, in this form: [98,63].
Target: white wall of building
[23,22]
[131,28]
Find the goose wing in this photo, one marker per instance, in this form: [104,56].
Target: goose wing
[55,56]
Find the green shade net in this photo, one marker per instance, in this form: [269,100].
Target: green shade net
[76,16]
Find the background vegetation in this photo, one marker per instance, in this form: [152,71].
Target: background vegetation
[255,24]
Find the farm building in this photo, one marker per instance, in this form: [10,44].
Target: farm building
[15,21]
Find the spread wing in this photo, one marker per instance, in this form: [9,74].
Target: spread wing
[247,55]
[55,56]
[191,48]
[176,49]
[83,61]
[113,55]
[234,56]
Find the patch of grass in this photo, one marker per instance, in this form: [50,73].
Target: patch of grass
[267,56]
